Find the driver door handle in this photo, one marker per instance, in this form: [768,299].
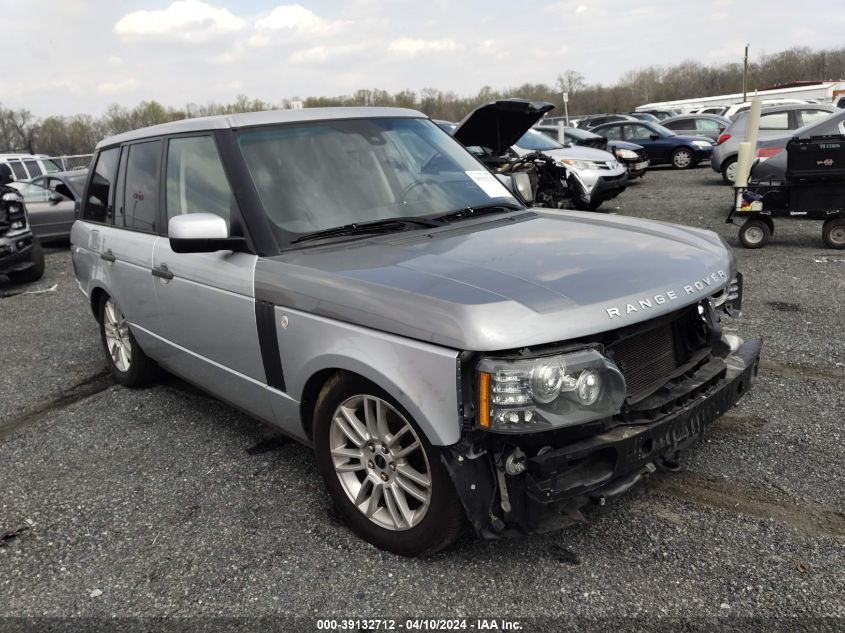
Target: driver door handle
[162,272]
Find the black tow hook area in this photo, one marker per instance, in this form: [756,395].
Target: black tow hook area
[475,482]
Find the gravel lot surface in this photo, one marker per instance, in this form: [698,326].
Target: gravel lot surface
[165,502]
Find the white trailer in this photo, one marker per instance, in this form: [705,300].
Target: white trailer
[828,92]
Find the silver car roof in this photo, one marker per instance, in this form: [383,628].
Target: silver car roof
[248,119]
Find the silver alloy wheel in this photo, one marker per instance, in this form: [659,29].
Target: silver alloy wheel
[117,336]
[730,171]
[837,235]
[380,462]
[754,235]
[682,158]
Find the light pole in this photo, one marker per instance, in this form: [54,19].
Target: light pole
[745,76]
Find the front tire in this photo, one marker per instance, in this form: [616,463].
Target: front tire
[683,158]
[833,233]
[34,272]
[754,233]
[127,362]
[381,471]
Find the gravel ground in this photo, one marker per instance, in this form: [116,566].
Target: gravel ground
[164,502]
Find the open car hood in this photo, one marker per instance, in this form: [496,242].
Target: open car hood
[499,124]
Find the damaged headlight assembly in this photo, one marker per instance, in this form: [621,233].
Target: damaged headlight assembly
[580,164]
[626,154]
[543,393]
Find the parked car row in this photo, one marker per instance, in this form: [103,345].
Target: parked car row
[662,145]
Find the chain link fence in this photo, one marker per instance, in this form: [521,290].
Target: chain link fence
[77,161]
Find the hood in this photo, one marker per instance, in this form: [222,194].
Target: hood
[625,145]
[503,282]
[499,124]
[579,152]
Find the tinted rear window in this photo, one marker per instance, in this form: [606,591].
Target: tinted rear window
[33,168]
[141,191]
[18,170]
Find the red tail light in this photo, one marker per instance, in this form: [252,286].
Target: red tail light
[768,152]
[722,139]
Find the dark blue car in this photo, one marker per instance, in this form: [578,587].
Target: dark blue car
[663,145]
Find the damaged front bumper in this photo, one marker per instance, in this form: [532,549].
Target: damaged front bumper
[15,251]
[552,485]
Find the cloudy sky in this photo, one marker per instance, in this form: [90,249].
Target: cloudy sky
[69,56]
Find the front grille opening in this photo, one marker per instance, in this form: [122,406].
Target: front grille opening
[651,357]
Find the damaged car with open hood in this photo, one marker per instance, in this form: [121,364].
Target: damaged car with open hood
[500,134]
[356,278]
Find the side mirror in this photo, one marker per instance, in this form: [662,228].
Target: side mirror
[518,183]
[55,198]
[654,137]
[522,183]
[201,233]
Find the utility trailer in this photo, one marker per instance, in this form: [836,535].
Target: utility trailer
[813,189]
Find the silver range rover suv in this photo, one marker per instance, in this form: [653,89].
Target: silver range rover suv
[357,279]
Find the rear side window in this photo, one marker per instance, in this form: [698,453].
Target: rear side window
[97,207]
[140,203]
[18,170]
[637,132]
[706,125]
[33,168]
[614,132]
[196,182]
[775,121]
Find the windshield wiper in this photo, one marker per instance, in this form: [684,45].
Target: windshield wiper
[374,226]
[473,212]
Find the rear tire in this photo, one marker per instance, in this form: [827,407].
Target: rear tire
[729,171]
[127,362]
[370,454]
[683,158]
[833,233]
[754,233]
[34,272]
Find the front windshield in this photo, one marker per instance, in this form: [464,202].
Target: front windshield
[313,176]
[537,142]
[77,181]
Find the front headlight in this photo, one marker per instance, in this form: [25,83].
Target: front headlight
[626,154]
[538,394]
[702,144]
[580,164]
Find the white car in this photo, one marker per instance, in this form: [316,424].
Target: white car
[594,174]
[504,126]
